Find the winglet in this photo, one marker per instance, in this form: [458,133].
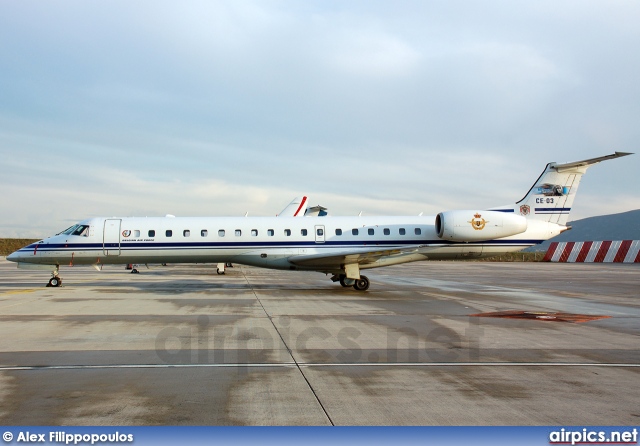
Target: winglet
[295,208]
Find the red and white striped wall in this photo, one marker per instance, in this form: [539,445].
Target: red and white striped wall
[625,251]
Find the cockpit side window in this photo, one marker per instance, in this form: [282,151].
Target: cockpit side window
[68,231]
[81,230]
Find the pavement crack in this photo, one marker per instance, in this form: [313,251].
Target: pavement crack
[295,361]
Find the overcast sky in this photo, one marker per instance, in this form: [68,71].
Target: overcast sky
[218,108]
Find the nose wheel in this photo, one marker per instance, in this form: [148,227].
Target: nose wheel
[55,280]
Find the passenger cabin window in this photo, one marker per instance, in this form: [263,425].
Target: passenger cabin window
[238,232]
[152,232]
[371,231]
[402,231]
[270,232]
[254,233]
[287,232]
[303,232]
[186,233]
[136,233]
[220,232]
[168,233]
[386,231]
[354,231]
[319,232]
[204,233]
[338,231]
[418,231]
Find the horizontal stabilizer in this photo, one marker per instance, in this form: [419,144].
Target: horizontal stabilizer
[584,163]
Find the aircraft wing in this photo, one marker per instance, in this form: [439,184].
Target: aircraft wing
[296,208]
[359,256]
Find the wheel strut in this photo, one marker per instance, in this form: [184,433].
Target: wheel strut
[55,280]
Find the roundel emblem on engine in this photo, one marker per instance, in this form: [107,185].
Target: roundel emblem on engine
[126,233]
[478,223]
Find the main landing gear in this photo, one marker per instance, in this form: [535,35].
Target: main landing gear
[361,284]
[221,267]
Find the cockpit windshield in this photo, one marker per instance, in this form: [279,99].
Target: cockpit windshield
[81,230]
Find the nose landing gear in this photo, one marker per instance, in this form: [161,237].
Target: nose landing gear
[55,280]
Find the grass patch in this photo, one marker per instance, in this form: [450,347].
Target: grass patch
[516,257]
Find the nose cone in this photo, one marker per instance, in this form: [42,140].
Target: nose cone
[13,257]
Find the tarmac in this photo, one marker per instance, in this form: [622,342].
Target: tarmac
[181,345]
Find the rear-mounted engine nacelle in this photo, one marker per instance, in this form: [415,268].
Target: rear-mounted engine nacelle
[475,226]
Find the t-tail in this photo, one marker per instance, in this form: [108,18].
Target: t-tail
[551,196]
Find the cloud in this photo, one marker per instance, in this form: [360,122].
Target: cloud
[372,55]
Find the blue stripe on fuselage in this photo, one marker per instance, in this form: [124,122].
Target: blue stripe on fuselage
[69,247]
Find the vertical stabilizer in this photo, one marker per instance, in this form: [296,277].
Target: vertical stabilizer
[551,197]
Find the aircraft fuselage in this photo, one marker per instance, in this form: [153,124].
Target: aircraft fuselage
[257,241]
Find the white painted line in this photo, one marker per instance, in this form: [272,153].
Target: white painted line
[559,251]
[575,252]
[311,364]
[474,364]
[633,252]
[613,251]
[140,366]
[593,252]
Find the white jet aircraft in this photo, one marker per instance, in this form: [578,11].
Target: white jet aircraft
[341,246]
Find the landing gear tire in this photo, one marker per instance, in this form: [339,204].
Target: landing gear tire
[362,284]
[342,281]
[220,272]
[55,282]
[134,271]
